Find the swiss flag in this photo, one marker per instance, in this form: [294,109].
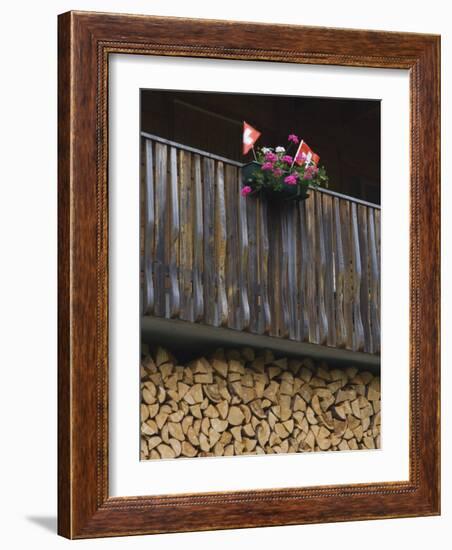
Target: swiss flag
[310,155]
[250,136]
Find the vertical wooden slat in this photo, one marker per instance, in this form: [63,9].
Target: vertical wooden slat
[198,297]
[275,245]
[377,232]
[285,273]
[260,319]
[278,273]
[374,282]
[292,272]
[341,338]
[174,235]
[243,259]
[312,298]
[209,236]
[329,269]
[186,236]
[358,331]
[303,263]
[377,214]
[220,246]
[160,228]
[283,266]
[365,302]
[348,294]
[263,266]
[149,221]
[232,265]
[321,268]
[273,270]
[253,294]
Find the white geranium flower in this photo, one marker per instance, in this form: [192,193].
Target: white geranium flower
[266,150]
[280,149]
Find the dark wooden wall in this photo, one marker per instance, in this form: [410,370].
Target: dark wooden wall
[345,133]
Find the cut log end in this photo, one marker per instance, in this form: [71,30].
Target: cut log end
[245,401]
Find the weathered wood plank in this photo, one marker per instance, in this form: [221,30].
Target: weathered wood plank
[329,269]
[149,222]
[252,274]
[174,236]
[303,266]
[311,294]
[374,282]
[292,272]
[232,265]
[220,246]
[365,302]
[263,266]
[198,239]
[209,245]
[243,259]
[348,274]
[260,314]
[320,260]
[341,338]
[160,228]
[358,331]
[279,272]
[274,273]
[283,272]
[377,214]
[186,236]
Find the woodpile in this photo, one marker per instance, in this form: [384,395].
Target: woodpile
[237,402]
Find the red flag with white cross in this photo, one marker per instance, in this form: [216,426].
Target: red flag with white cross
[309,155]
[250,136]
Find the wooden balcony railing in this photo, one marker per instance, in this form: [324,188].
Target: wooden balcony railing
[307,271]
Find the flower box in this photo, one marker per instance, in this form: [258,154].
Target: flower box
[278,174]
[285,192]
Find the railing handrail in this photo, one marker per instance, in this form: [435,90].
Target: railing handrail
[347,197]
[241,164]
[191,149]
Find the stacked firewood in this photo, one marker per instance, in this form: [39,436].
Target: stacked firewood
[237,402]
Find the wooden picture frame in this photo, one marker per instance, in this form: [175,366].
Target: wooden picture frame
[86,40]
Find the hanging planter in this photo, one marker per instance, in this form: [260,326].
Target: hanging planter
[276,174]
[253,183]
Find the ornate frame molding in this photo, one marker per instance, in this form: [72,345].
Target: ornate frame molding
[85,42]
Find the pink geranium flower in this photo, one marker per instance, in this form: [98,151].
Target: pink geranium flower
[310,172]
[287,159]
[293,138]
[291,180]
[271,157]
[267,166]
[245,191]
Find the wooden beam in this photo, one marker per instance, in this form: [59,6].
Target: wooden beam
[195,339]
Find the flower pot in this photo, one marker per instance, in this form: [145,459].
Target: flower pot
[286,192]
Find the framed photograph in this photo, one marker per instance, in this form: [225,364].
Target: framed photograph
[248,275]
